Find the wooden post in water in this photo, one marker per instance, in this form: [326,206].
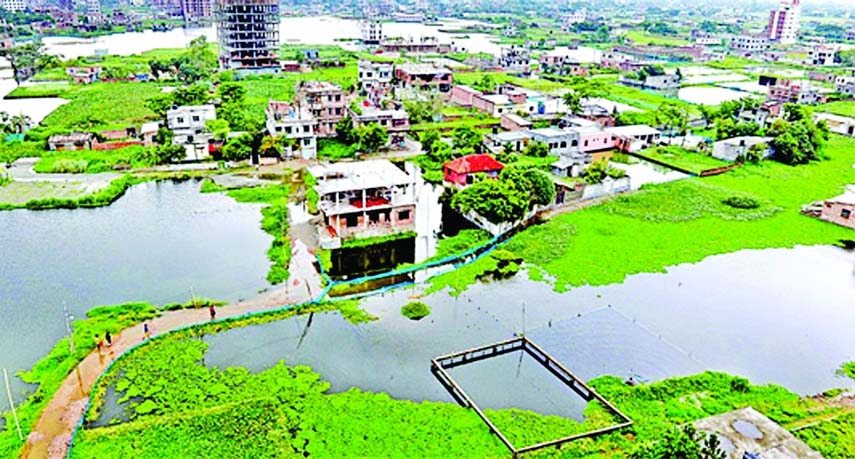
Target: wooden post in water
[12,404]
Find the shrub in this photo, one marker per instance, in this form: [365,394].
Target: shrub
[415,310]
[741,202]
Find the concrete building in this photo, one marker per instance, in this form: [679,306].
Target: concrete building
[71,142]
[13,5]
[821,55]
[422,45]
[291,122]
[463,95]
[732,149]
[372,32]
[559,141]
[784,22]
[840,209]
[514,59]
[465,170]
[374,79]
[513,122]
[634,138]
[93,8]
[749,44]
[495,105]
[496,141]
[187,124]
[396,122]
[837,124]
[363,199]
[795,92]
[192,10]
[424,77]
[248,35]
[575,17]
[325,101]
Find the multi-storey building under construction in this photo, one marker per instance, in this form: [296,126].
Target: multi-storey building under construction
[248,35]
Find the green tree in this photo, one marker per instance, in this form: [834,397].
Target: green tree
[239,148]
[344,131]
[496,200]
[232,93]
[674,117]
[421,111]
[599,170]
[160,104]
[536,149]
[218,127]
[26,60]
[465,138]
[196,94]
[428,139]
[485,84]
[371,137]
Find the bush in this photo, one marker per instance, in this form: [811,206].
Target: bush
[741,202]
[415,310]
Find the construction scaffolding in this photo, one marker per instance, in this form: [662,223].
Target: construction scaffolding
[248,35]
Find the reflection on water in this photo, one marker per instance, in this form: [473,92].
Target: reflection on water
[758,314]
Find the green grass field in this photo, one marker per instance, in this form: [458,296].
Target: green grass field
[842,108]
[683,159]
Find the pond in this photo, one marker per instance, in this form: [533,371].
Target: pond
[779,316]
[154,244]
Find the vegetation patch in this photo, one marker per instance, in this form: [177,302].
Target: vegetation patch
[415,310]
[834,438]
[367,241]
[685,200]
[49,372]
[92,162]
[497,265]
[103,197]
[683,159]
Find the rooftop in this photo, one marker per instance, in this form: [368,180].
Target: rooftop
[361,175]
[498,99]
[510,136]
[517,119]
[473,164]
[422,69]
[74,137]
[550,132]
[848,197]
[635,130]
[318,86]
[744,141]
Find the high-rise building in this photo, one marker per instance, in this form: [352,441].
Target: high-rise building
[195,9]
[372,32]
[248,35]
[784,22]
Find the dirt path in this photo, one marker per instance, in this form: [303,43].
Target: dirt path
[52,432]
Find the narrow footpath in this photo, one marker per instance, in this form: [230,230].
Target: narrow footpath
[52,433]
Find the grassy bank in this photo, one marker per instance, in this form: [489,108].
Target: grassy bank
[49,372]
[274,221]
[683,222]
[103,197]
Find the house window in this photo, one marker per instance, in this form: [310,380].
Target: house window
[404,215]
[563,144]
[845,213]
[195,118]
[351,221]
[180,120]
[586,143]
[287,129]
[307,141]
[305,128]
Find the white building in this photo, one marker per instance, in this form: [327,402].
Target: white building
[13,5]
[575,17]
[372,32]
[837,124]
[283,119]
[187,124]
[363,199]
[784,22]
[821,55]
[634,138]
[732,149]
[749,43]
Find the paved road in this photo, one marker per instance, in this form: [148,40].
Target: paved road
[22,171]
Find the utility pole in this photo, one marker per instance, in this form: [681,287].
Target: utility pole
[68,330]
[12,404]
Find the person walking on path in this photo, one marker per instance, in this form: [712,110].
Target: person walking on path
[108,338]
[146,331]
[100,343]
[212,311]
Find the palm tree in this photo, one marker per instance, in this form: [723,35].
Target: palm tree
[21,123]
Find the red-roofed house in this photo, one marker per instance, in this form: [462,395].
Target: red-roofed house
[461,171]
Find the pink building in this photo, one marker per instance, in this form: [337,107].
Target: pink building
[325,101]
[463,95]
[841,209]
[593,139]
[512,122]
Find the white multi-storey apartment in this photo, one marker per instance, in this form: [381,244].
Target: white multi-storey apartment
[784,22]
[13,5]
[286,120]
